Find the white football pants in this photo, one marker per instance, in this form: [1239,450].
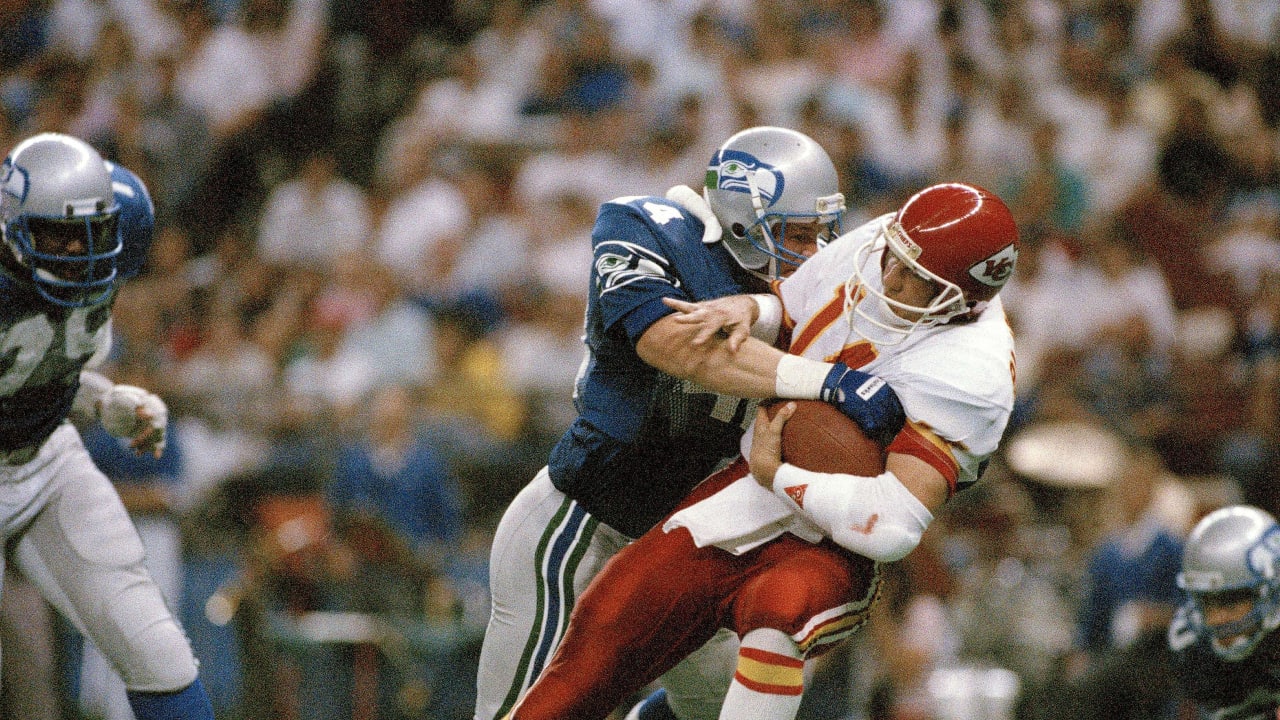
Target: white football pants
[77,544]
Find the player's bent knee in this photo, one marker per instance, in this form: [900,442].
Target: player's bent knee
[819,600]
[787,600]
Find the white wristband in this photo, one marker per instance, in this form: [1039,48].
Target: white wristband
[769,321]
[799,378]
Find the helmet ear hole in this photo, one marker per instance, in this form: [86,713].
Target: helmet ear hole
[738,229]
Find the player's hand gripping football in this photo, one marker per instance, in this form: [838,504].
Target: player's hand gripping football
[766,443]
[127,411]
[728,317]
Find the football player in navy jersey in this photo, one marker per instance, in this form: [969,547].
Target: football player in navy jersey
[74,228]
[650,424]
[1225,646]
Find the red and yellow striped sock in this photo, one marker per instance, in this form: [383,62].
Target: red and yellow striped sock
[768,684]
[769,673]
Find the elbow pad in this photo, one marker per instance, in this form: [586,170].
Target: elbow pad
[876,517]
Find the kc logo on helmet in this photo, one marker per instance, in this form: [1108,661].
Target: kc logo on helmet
[995,270]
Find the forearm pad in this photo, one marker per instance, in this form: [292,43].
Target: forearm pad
[876,517]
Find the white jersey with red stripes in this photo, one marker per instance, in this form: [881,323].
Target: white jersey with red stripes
[955,381]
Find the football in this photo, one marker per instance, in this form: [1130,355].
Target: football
[820,438]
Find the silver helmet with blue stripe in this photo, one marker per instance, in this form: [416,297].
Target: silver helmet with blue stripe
[58,216]
[760,180]
[1231,570]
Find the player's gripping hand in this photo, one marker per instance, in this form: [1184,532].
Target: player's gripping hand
[132,412]
[728,317]
[766,443]
[865,398]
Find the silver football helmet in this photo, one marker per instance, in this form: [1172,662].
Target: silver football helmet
[762,178]
[1233,555]
[58,215]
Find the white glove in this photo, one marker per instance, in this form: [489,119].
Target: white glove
[690,200]
[132,412]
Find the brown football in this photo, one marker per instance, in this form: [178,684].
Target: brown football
[820,438]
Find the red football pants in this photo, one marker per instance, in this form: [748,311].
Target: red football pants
[661,598]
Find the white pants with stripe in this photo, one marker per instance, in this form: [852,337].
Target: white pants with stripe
[545,552]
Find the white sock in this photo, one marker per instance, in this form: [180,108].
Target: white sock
[769,680]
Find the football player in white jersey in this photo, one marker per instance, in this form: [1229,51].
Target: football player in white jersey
[784,557]
[74,228]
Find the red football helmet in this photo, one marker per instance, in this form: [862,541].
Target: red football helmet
[960,236]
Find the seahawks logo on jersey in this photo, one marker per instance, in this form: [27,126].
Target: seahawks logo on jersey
[736,171]
[620,263]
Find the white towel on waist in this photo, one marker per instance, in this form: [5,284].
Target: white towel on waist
[740,517]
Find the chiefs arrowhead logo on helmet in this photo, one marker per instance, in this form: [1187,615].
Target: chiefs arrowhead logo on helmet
[961,237]
[995,270]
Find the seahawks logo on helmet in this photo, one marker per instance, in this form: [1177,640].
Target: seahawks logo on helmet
[629,263]
[736,171]
[1264,557]
[13,181]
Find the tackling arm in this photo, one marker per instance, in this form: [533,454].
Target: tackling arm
[711,343]
[679,349]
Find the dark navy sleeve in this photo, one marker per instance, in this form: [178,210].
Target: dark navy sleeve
[645,249]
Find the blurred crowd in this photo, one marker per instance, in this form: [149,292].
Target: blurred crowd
[365,296]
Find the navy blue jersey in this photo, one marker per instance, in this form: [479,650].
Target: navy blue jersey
[43,346]
[643,439]
[1247,689]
